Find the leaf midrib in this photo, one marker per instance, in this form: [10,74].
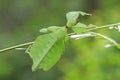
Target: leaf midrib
[46,53]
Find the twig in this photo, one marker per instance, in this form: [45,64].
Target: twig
[17,46]
[105,37]
[102,27]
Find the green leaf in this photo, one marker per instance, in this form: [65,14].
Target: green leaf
[47,49]
[79,28]
[44,30]
[53,28]
[83,13]
[49,29]
[73,16]
[67,39]
[91,26]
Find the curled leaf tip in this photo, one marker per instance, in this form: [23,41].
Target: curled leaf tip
[73,16]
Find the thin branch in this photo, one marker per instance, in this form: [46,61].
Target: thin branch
[102,27]
[105,37]
[109,39]
[17,46]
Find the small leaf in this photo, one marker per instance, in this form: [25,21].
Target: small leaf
[79,28]
[73,16]
[83,13]
[47,49]
[49,29]
[91,26]
[53,28]
[44,30]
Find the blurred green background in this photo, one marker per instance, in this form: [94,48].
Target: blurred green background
[84,59]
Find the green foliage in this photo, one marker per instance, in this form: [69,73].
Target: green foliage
[44,30]
[79,28]
[73,16]
[83,59]
[49,29]
[53,28]
[47,49]
[67,39]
